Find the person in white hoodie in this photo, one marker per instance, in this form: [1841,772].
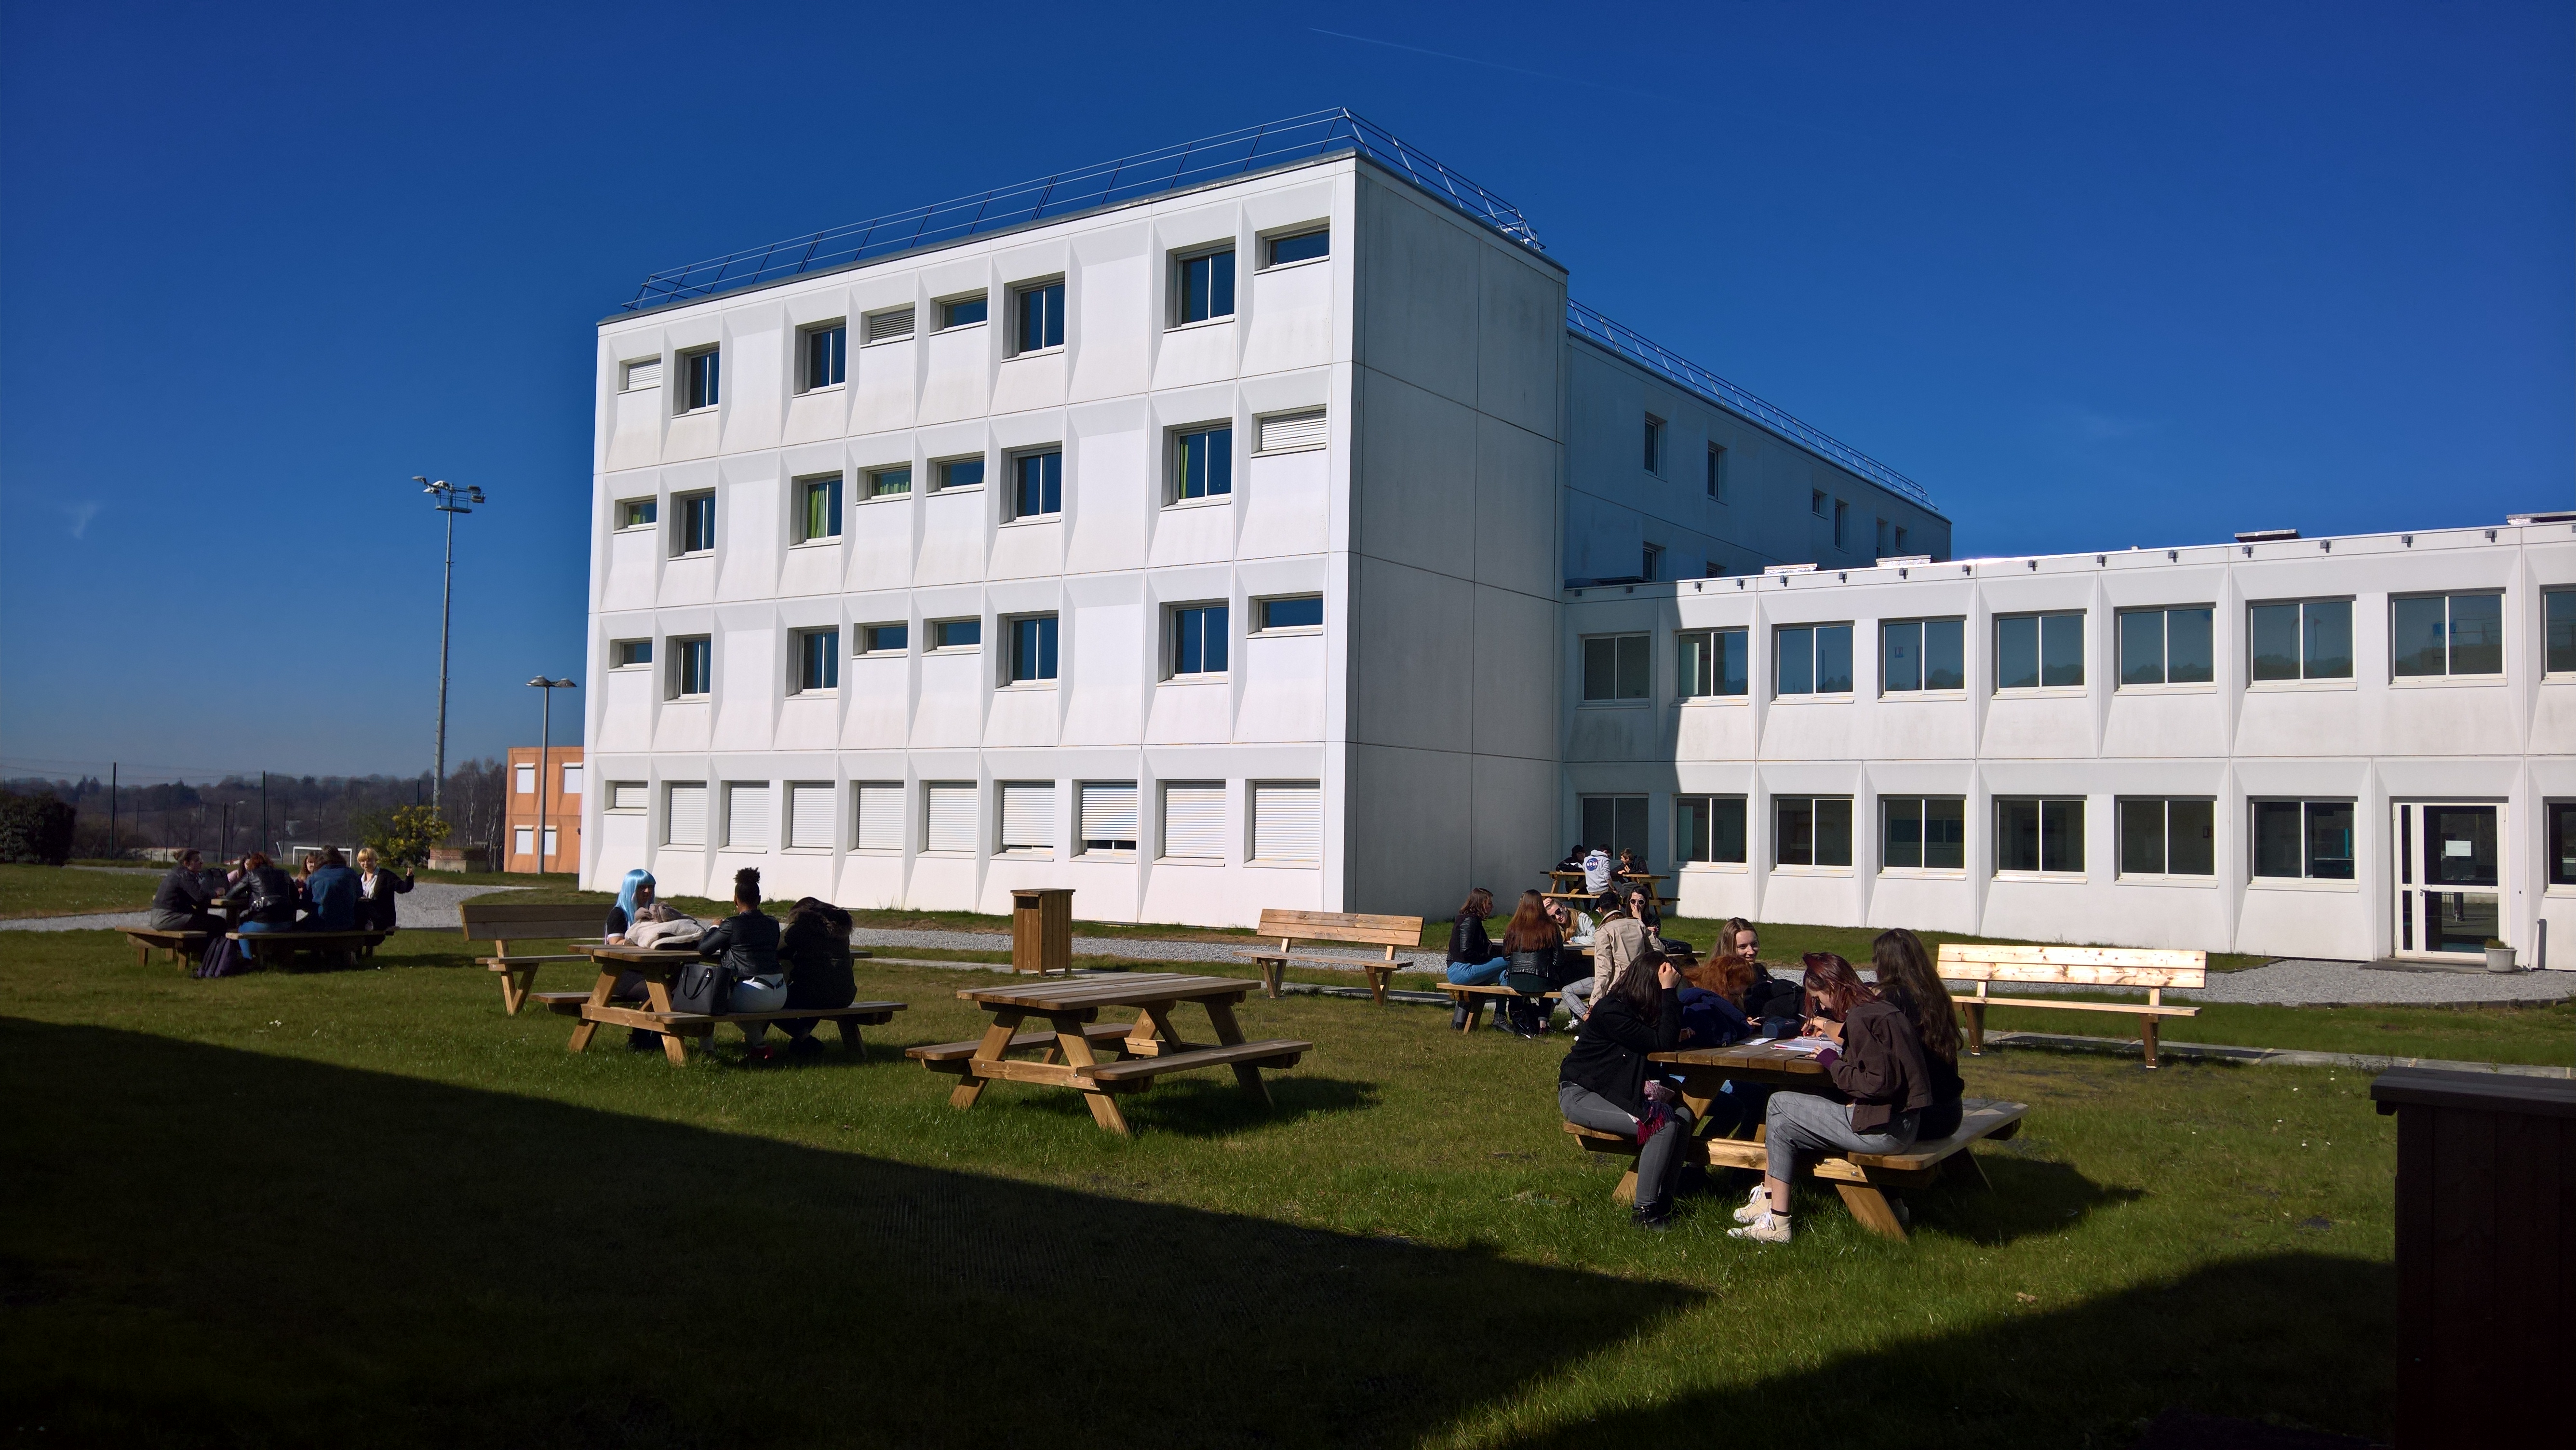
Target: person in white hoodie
[1596,871]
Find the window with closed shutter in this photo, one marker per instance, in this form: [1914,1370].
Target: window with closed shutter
[887,326]
[949,821]
[523,779]
[523,839]
[809,815]
[1293,430]
[687,824]
[626,795]
[1028,808]
[1109,816]
[748,811]
[880,815]
[1287,821]
[644,373]
[1194,820]
[572,780]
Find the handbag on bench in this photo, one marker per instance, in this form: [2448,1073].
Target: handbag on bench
[705,987]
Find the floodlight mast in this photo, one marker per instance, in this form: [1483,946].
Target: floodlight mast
[446,493]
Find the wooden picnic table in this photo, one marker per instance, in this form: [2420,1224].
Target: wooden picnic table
[1151,1047]
[662,968]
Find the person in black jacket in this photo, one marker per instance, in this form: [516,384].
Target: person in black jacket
[271,896]
[747,942]
[1473,961]
[1907,982]
[179,902]
[1604,1085]
[816,951]
[377,889]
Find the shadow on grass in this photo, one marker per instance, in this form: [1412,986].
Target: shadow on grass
[2308,1341]
[1205,1106]
[205,1246]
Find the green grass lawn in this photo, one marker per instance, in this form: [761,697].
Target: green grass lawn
[65,891]
[366,1207]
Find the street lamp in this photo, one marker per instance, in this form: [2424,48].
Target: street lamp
[446,493]
[545,729]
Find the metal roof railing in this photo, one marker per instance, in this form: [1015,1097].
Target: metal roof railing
[1131,178]
[1625,341]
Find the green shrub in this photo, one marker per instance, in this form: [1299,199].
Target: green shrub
[35,830]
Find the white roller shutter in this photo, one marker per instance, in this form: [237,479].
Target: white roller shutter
[950,820]
[880,813]
[1109,816]
[1294,430]
[627,795]
[523,839]
[644,373]
[1028,812]
[1194,819]
[887,326]
[688,818]
[572,780]
[809,815]
[1288,822]
[748,810]
[523,779]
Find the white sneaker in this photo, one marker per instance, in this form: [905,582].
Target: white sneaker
[1770,1228]
[1756,1204]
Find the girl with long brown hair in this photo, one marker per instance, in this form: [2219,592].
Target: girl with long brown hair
[1473,962]
[1872,1058]
[1906,979]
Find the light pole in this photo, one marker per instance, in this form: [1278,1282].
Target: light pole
[446,494]
[545,729]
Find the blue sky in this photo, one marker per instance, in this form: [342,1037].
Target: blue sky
[2095,278]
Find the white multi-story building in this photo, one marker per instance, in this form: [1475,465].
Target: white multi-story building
[1255,524]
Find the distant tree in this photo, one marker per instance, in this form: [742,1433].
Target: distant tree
[35,830]
[403,835]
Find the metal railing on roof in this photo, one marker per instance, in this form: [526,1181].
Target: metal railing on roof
[1130,178]
[1585,323]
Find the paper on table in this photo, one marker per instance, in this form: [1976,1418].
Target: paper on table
[1804,1044]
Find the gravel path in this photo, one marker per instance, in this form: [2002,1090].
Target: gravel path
[430,904]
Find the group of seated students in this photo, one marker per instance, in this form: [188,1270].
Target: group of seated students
[805,963]
[1891,1057]
[326,896]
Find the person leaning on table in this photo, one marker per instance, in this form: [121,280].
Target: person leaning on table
[1872,1058]
[179,902]
[1907,982]
[815,948]
[269,896]
[1603,1083]
[331,892]
[747,941]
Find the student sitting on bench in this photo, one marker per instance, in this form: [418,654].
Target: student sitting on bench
[1907,982]
[1871,1058]
[1473,962]
[179,902]
[1603,1084]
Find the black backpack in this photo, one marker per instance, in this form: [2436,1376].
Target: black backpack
[705,987]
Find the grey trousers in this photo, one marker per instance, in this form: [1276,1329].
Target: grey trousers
[1805,1123]
[1577,996]
[1660,1162]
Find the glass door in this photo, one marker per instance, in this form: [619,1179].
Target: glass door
[2450,875]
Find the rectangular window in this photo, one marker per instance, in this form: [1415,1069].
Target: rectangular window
[1287,821]
[1883,550]
[1203,463]
[818,659]
[523,779]
[2446,634]
[948,816]
[963,311]
[1028,815]
[892,325]
[2037,835]
[2169,646]
[523,840]
[1298,611]
[644,372]
[1900,539]
[1814,659]
[1816,502]
[889,482]
[1708,829]
[1654,444]
[632,653]
[694,531]
[2303,840]
[1811,830]
[884,639]
[638,513]
[1037,484]
[1616,823]
[2309,639]
[2168,837]
[1203,287]
[684,817]
[1617,667]
[1198,639]
[818,508]
[693,669]
[748,810]
[956,634]
[628,795]
[1842,515]
[1716,475]
[702,371]
[2561,823]
[1924,833]
[2558,631]
[1919,655]
[1194,820]
[1037,316]
[1285,431]
[572,780]
[809,815]
[1297,247]
[958,473]
[877,815]
[1108,811]
[1652,566]
[2039,651]
[825,352]
[1032,649]
[1713,663]
[551,833]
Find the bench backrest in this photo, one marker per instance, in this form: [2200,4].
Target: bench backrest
[484,921]
[2073,966]
[1376,931]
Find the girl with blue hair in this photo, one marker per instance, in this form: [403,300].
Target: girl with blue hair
[637,892]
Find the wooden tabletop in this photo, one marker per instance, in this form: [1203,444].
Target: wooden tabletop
[1126,989]
[1746,1057]
[640,956]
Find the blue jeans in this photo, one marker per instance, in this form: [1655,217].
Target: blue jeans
[251,926]
[1478,974]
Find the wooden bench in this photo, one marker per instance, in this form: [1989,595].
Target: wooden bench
[268,948]
[1292,927]
[1861,1178]
[498,922]
[1131,1073]
[1471,1000]
[184,947]
[951,1057]
[2073,966]
[677,1025]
